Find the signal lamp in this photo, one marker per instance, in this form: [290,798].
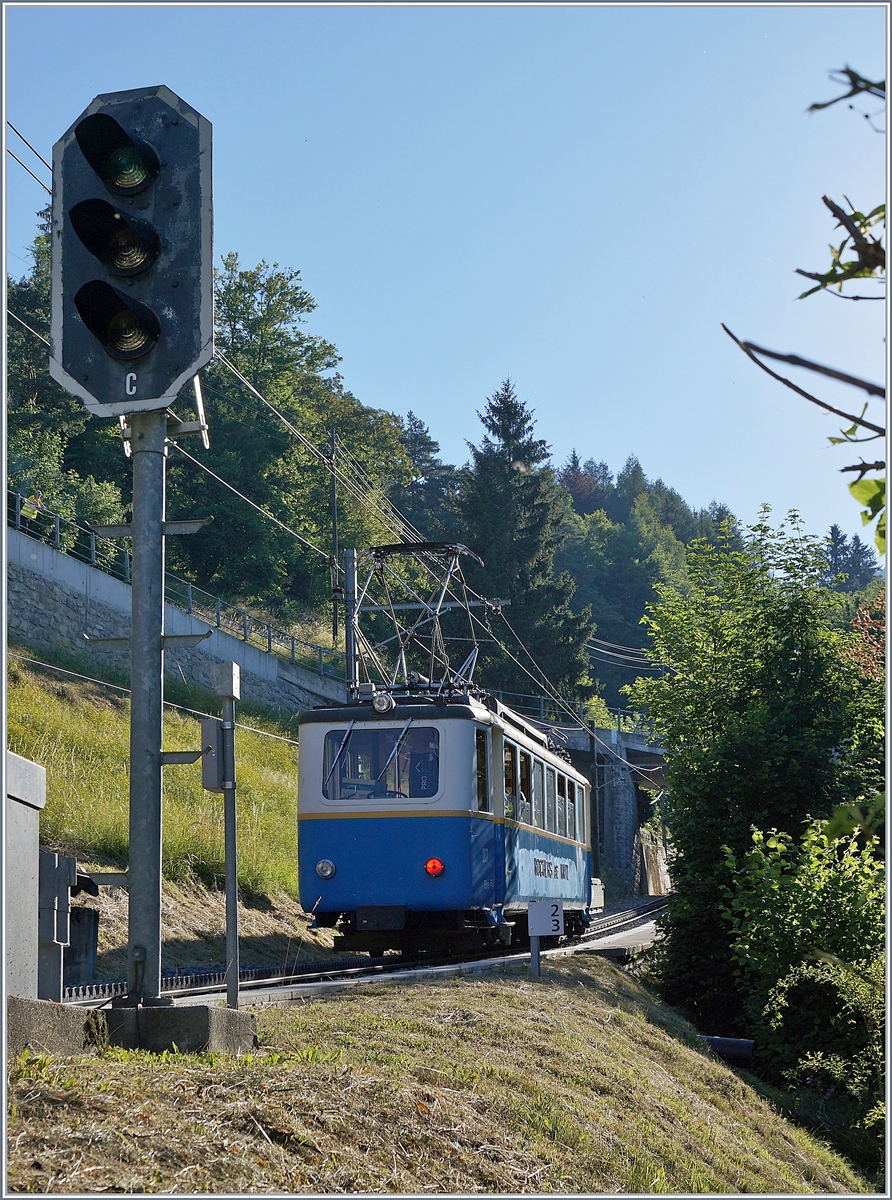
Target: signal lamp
[434,867]
[126,328]
[325,868]
[123,244]
[125,165]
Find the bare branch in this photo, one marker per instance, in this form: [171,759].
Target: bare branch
[857,84]
[839,295]
[872,389]
[862,468]
[788,383]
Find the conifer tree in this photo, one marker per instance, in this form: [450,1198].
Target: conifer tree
[511,510]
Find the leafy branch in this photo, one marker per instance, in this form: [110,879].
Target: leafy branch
[870,257]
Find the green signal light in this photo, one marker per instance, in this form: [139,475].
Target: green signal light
[125,164]
[126,169]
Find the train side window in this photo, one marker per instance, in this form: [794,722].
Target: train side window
[510,780]
[549,800]
[562,805]
[484,803]
[538,796]
[571,809]
[526,789]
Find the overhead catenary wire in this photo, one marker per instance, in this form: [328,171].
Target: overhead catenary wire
[15,317]
[241,496]
[28,144]
[342,476]
[617,645]
[30,172]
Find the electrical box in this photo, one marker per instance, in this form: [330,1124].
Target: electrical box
[212,758]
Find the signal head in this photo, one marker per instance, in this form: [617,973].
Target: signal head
[126,165]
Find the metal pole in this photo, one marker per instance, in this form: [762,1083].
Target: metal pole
[593,806]
[535,965]
[232,961]
[334,538]
[148,442]
[349,618]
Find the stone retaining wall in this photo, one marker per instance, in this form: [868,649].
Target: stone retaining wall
[53,600]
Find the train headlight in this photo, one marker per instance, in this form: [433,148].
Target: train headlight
[325,868]
[434,866]
[383,702]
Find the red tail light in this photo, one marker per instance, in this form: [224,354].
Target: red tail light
[434,866]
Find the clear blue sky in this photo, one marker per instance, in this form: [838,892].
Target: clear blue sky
[572,196]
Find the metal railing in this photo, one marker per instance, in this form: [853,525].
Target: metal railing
[114,559]
[544,708]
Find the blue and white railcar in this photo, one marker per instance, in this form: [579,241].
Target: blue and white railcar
[432,825]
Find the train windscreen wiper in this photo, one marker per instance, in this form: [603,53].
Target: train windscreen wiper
[341,749]
[393,753]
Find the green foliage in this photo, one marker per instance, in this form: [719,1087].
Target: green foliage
[851,564]
[871,491]
[260,312]
[809,937]
[752,707]
[511,512]
[427,500]
[789,900]
[622,538]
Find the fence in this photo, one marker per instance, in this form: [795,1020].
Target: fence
[115,559]
[544,708]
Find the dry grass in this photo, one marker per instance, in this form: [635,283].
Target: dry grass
[272,929]
[578,1084]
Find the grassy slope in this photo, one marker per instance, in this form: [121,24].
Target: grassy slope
[80,733]
[579,1083]
[573,1085]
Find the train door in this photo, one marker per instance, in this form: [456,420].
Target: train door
[485,865]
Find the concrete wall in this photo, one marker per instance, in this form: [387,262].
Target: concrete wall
[53,600]
[620,820]
[25,797]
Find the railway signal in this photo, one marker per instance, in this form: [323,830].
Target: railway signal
[132,253]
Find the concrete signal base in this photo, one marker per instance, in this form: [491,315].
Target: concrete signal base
[61,1030]
[44,1027]
[187,1030]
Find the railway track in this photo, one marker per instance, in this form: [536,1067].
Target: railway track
[261,983]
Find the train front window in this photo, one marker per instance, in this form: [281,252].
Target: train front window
[375,764]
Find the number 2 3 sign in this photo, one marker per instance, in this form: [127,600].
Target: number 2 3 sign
[546,918]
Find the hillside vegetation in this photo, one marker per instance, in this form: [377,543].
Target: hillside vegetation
[80,733]
[580,1083]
